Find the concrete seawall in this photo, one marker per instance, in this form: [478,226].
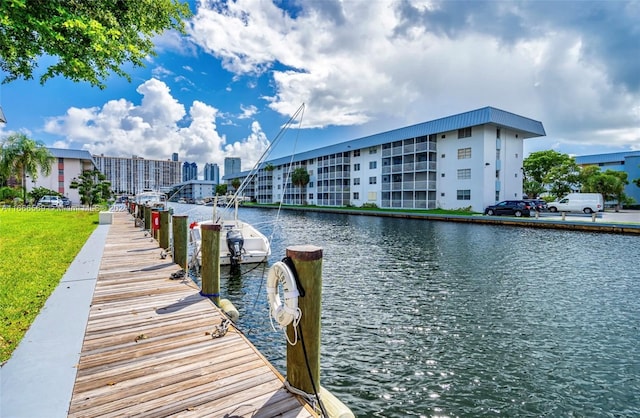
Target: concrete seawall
[624,222]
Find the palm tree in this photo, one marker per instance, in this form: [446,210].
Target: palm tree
[300,178]
[235,183]
[21,156]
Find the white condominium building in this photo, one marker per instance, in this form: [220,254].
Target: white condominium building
[471,159]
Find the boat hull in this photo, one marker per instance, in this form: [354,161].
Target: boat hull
[256,248]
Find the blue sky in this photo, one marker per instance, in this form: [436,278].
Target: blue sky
[360,67]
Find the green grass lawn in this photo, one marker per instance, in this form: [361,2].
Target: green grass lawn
[36,248]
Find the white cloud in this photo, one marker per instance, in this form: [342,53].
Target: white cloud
[248,112]
[388,63]
[155,129]
[161,72]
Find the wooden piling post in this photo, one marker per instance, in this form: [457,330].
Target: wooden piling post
[210,271]
[180,240]
[147,218]
[307,260]
[165,231]
[593,216]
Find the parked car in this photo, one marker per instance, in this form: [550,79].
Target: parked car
[538,204]
[50,202]
[510,207]
[66,202]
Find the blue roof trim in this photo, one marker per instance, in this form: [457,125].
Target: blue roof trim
[606,158]
[528,128]
[77,154]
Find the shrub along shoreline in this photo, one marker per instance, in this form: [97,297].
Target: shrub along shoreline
[37,246]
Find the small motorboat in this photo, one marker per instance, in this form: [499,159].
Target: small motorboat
[155,200]
[240,242]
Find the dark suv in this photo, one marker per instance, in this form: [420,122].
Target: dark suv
[510,207]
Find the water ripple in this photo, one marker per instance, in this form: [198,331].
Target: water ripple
[424,319]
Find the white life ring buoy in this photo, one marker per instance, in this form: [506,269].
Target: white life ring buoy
[287,312]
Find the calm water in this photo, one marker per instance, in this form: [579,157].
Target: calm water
[442,319]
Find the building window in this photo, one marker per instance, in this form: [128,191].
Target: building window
[373,150]
[356,181]
[311,184]
[464,132]
[373,165]
[464,174]
[356,167]
[464,194]
[442,175]
[373,180]
[498,133]
[443,136]
[310,196]
[356,196]
[464,153]
[356,153]
[441,155]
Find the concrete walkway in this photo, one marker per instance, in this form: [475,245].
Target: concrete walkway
[38,379]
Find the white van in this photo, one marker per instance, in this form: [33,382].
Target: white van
[578,202]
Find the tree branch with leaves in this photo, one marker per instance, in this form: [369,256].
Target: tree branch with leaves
[549,171]
[92,187]
[91,40]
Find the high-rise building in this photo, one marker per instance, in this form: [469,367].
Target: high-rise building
[174,156]
[231,166]
[212,173]
[189,171]
[136,174]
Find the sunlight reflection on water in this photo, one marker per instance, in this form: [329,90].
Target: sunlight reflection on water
[428,318]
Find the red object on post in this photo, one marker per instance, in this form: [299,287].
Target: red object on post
[155,220]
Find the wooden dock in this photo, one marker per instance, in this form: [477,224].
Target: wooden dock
[148,349]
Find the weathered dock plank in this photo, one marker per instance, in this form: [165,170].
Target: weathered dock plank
[148,348]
